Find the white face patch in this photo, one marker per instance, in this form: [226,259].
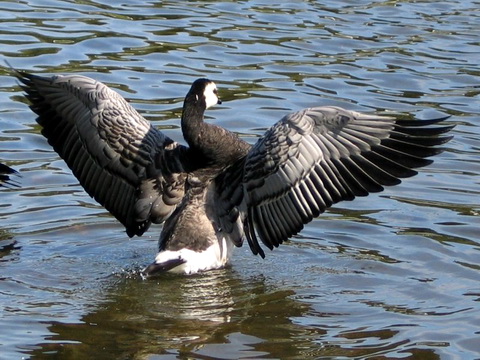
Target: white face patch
[210,93]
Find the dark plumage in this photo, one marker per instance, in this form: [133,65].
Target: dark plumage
[219,190]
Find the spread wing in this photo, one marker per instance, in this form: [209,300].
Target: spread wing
[121,160]
[312,159]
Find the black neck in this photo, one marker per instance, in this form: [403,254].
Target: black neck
[192,120]
[210,146]
[194,130]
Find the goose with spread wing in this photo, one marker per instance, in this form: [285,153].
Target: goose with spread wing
[218,191]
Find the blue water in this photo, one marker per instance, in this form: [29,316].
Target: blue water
[393,275]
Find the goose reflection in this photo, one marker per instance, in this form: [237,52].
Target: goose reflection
[179,316]
[216,315]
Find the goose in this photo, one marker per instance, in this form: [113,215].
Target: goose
[218,190]
[5,179]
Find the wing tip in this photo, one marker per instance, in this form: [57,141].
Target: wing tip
[23,76]
[252,240]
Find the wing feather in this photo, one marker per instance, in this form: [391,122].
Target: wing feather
[270,219]
[260,219]
[117,156]
[315,158]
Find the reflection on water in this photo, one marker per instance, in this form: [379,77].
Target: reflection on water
[209,315]
[180,315]
[390,276]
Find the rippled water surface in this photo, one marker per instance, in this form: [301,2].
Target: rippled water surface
[394,275]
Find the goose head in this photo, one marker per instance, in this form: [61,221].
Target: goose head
[204,93]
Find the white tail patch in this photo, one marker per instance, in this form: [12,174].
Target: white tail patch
[214,257]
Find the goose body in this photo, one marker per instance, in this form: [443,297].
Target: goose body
[219,190]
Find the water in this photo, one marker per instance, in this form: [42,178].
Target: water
[394,275]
